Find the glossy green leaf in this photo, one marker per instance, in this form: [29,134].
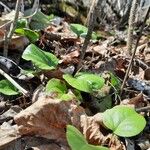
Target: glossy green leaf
[77,141]
[67,97]
[56,85]
[39,20]
[85,82]
[43,60]
[30,34]
[7,88]
[78,29]
[124,121]
[59,87]
[22,23]
[81,31]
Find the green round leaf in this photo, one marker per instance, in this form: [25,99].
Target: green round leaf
[78,29]
[59,87]
[84,86]
[39,20]
[124,121]
[85,82]
[7,88]
[22,23]
[41,59]
[30,34]
[56,85]
[77,141]
[67,97]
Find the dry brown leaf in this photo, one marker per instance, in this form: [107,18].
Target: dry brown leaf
[17,42]
[39,143]
[71,57]
[95,133]
[8,134]
[48,117]
[136,102]
[101,49]
[109,65]
[57,73]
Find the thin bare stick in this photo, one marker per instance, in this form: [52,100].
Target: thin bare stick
[22,90]
[12,28]
[36,2]
[131,26]
[26,17]
[142,109]
[91,21]
[134,51]
[6,7]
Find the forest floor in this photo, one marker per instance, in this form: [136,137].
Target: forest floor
[50,89]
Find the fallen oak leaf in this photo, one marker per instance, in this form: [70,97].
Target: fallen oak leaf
[71,57]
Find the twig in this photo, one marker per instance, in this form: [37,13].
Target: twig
[91,21]
[143,109]
[131,26]
[22,90]
[22,6]
[12,28]
[5,6]
[134,51]
[26,17]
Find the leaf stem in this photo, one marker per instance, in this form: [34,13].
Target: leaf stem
[10,79]
[147,108]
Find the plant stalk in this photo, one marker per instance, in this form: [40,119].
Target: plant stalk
[91,22]
[12,29]
[134,51]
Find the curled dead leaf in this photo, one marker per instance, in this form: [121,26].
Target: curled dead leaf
[95,133]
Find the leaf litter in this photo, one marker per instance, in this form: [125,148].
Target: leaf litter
[44,117]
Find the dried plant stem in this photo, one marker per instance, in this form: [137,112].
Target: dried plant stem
[131,25]
[6,7]
[26,17]
[147,108]
[134,51]
[22,90]
[91,21]
[12,28]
